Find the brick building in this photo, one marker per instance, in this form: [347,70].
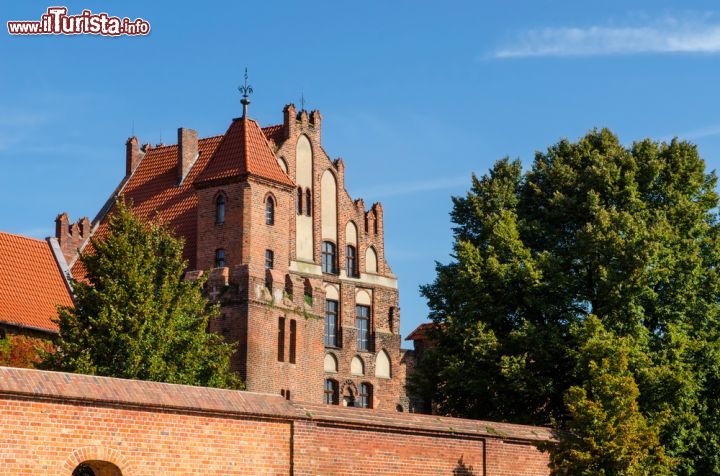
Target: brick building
[32,285]
[296,263]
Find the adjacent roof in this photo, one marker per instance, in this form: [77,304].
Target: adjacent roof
[31,283]
[274,133]
[420,332]
[155,193]
[244,150]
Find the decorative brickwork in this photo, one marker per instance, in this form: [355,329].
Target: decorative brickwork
[54,421]
[243,169]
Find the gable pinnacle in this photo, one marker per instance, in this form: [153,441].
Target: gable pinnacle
[246,91]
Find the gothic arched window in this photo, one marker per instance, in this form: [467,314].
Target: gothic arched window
[220,209]
[269,211]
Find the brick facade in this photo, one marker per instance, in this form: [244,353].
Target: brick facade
[52,422]
[244,167]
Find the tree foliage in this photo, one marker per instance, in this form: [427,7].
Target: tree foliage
[626,234]
[605,432]
[18,350]
[134,314]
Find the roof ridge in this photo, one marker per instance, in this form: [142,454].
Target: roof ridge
[267,142]
[246,150]
[165,146]
[18,235]
[212,137]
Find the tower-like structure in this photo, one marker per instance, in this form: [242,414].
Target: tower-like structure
[296,264]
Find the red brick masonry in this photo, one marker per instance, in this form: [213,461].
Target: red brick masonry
[50,422]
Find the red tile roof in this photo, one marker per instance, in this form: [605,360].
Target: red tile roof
[274,133]
[31,283]
[243,151]
[421,331]
[154,191]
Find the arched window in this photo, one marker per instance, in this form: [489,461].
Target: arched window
[328,257]
[331,392]
[220,258]
[351,261]
[364,396]
[269,259]
[269,211]
[299,201]
[391,318]
[220,209]
[308,203]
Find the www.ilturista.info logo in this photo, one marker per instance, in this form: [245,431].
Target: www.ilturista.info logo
[57,22]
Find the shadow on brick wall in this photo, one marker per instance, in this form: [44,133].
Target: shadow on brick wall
[463,469]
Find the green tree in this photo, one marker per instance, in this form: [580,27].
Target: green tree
[627,234]
[136,317]
[605,432]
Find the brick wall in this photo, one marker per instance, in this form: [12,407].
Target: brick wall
[51,422]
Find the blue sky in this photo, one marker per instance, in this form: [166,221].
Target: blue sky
[415,96]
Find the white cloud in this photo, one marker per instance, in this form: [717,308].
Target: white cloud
[700,133]
[669,35]
[23,119]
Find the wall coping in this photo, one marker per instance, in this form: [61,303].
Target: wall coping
[143,395]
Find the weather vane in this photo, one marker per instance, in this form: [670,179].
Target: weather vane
[302,100]
[246,91]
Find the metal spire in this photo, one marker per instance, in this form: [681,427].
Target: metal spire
[246,91]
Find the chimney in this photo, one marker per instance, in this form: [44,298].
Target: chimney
[132,155]
[289,118]
[187,151]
